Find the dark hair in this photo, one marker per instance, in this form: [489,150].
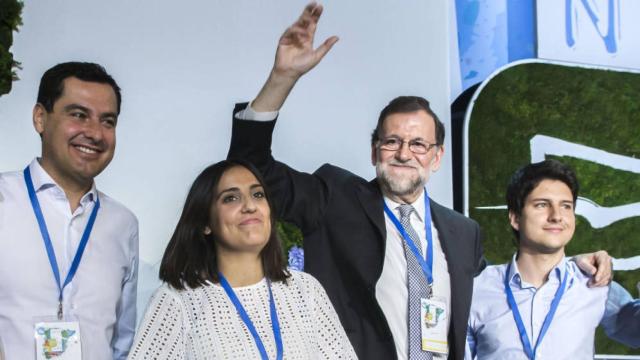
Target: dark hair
[527,178]
[407,104]
[52,81]
[190,257]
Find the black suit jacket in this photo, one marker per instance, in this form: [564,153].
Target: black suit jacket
[341,217]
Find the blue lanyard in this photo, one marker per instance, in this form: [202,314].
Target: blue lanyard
[247,321]
[531,353]
[47,240]
[426,265]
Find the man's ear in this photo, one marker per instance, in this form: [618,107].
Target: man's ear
[514,220]
[39,118]
[374,155]
[437,158]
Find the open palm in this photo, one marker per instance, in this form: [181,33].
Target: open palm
[296,55]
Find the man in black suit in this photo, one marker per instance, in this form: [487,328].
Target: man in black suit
[382,249]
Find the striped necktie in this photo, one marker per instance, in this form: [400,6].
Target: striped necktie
[418,288]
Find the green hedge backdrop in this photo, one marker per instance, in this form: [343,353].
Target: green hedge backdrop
[10,19]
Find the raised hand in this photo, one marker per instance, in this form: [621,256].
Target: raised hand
[294,57]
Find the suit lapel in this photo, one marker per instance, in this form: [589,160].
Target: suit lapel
[449,240]
[446,234]
[454,251]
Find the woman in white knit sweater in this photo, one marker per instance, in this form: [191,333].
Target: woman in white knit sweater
[227,293]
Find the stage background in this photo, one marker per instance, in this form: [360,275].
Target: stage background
[183,65]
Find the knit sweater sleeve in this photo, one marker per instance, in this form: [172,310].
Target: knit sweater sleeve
[332,341]
[162,334]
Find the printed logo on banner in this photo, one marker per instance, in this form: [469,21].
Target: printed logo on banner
[599,32]
[580,14]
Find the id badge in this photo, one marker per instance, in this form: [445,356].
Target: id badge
[433,313]
[59,340]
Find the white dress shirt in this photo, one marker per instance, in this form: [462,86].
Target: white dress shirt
[392,292]
[493,334]
[102,295]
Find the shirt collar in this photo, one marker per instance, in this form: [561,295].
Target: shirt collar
[556,275]
[42,181]
[418,205]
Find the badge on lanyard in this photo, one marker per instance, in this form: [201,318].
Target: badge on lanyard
[59,340]
[433,313]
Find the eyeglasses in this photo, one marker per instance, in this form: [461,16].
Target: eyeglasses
[416,146]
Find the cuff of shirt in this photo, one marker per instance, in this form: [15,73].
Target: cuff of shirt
[249,114]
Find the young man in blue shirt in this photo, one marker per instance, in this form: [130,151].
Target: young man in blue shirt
[539,304]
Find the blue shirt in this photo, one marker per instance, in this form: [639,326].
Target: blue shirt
[492,331]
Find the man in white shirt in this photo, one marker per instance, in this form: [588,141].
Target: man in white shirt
[539,305]
[70,253]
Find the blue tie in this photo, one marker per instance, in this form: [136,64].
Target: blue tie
[418,288]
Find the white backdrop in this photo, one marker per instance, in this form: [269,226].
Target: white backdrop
[183,65]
